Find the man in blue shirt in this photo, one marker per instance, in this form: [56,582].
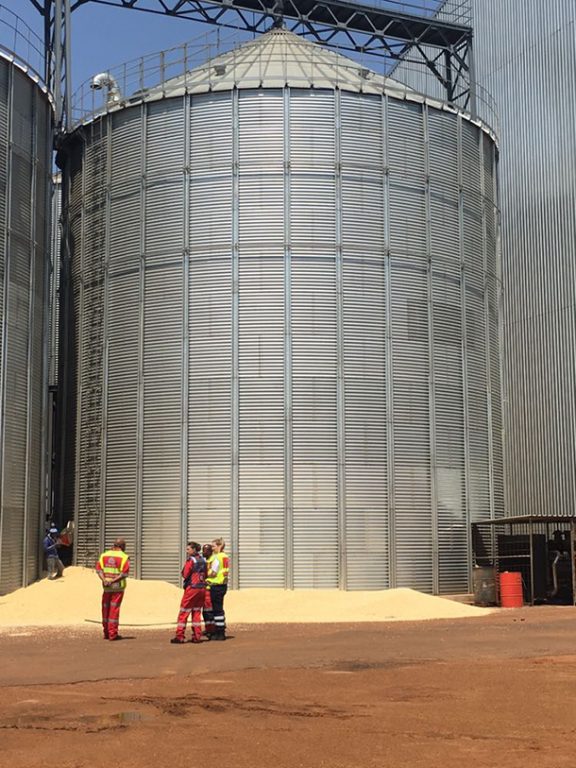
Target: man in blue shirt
[53,563]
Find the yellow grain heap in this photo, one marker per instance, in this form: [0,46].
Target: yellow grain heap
[75,600]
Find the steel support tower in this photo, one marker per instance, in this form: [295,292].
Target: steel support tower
[386,31]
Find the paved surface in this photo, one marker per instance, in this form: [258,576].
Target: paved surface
[495,691]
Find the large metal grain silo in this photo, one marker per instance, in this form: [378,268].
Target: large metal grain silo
[25,146]
[282,324]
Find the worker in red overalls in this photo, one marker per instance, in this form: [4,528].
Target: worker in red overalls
[194,575]
[207,612]
[113,567]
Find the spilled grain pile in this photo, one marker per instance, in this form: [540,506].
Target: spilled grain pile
[75,600]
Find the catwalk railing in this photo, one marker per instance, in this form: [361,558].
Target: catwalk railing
[135,79]
[19,43]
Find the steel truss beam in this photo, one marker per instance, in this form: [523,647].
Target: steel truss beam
[444,48]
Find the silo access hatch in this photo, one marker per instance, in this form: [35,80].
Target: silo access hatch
[541,548]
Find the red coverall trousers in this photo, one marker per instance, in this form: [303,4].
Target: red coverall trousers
[111,602]
[192,603]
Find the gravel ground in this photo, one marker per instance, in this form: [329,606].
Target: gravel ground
[496,690]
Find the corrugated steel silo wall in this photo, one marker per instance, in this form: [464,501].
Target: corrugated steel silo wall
[528,63]
[54,308]
[25,138]
[286,341]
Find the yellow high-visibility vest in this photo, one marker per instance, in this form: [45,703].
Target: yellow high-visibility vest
[222,574]
[112,564]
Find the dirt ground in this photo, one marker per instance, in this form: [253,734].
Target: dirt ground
[495,691]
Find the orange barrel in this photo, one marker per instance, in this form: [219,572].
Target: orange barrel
[511,590]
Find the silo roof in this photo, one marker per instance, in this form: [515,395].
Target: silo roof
[277,59]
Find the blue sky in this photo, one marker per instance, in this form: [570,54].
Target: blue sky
[103,36]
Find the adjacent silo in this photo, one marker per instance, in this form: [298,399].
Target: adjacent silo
[529,65]
[282,324]
[25,145]
[54,283]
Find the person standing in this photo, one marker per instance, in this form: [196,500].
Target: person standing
[218,581]
[207,612]
[194,575]
[54,565]
[113,567]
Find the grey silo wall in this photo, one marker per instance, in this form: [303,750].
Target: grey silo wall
[529,65]
[527,62]
[284,321]
[25,140]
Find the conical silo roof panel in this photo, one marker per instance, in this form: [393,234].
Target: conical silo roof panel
[277,59]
